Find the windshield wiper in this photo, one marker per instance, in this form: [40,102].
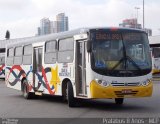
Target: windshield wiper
[134,63]
[125,58]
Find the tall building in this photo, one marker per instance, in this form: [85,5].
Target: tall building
[130,23]
[46,27]
[39,31]
[61,23]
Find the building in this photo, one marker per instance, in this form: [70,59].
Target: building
[61,23]
[39,31]
[133,23]
[130,23]
[46,27]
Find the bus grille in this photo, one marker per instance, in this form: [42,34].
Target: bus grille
[125,84]
[121,94]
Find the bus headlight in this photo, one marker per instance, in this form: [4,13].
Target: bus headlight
[146,82]
[103,82]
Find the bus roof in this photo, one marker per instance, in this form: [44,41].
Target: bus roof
[34,39]
[154,39]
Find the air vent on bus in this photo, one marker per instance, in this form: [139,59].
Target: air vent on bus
[125,84]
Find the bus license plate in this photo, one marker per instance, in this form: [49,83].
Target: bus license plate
[127,91]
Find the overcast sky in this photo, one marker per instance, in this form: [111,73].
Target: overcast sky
[22,17]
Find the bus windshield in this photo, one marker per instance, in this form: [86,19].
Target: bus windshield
[121,53]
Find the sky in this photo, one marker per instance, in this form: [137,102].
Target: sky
[22,17]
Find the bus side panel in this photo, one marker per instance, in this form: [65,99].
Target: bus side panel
[66,71]
[2,71]
[155,65]
[28,75]
[12,80]
[155,52]
[15,74]
[55,74]
[49,78]
[2,65]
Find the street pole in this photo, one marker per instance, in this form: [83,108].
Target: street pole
[137,8]
[143,14]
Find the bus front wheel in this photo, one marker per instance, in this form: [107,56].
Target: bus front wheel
[70,95]
[119,101]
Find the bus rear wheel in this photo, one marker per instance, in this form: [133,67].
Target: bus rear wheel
[69,95]
[25,90]
[119,101]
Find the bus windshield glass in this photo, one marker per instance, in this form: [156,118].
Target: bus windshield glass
[120,53]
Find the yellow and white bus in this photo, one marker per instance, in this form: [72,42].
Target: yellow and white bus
[155,48]
[88,63]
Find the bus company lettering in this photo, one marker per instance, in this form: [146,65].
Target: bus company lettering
[64,72]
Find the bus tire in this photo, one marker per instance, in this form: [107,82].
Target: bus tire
[119,101]
[25,90]
[70,95]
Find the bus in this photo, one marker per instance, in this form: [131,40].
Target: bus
[155,48]
[87,63]
[2,63]
[3,44]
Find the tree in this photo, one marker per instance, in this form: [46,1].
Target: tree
[7,35]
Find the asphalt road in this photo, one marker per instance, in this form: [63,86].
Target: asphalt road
[12,105]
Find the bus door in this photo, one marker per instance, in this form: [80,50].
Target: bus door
[80,68]
[37,68]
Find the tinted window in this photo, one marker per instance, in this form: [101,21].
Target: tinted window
[37,60]
[51,46]
[117,53]
[66,47]
[66,56]
[50,58]
[10,52]
[2,50]
[28,50]
[27,55]
[66,44]
[50,54]
[18,51]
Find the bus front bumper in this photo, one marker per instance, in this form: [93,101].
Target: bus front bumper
[97,91]
[154,71]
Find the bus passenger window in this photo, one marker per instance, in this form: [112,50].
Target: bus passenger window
[50,56]
[10,54]
[27,55]
[18,56]
[66,53]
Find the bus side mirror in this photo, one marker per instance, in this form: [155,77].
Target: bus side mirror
[89,46]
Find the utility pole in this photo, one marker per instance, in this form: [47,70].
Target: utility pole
[143,14]
[137,8]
